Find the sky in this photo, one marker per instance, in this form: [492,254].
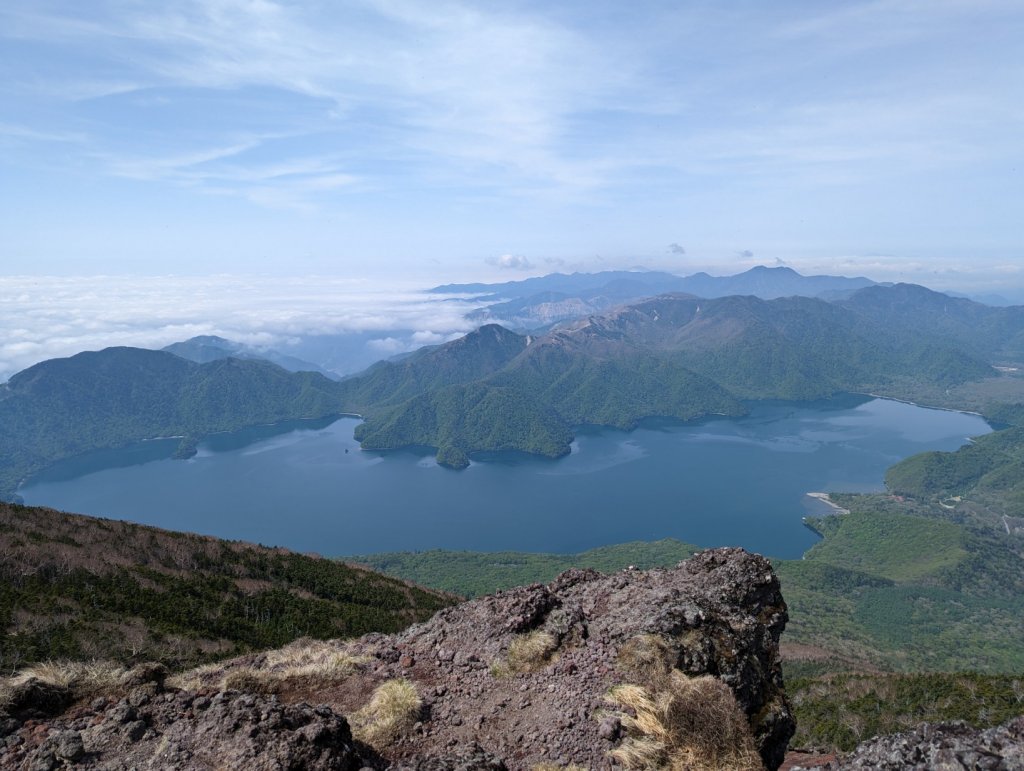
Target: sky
[400,143]
[463,140]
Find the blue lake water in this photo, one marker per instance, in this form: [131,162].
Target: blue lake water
[721,481]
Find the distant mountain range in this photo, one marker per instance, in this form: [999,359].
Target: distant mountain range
[538,302]
[761,281]
[207,348]
[671,355]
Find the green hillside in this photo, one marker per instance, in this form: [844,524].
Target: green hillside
[462,419]
[669,356]
[984,331]
[472,574]
[895,546]
[112,398]
[470,358]
[82,588]
[988,474]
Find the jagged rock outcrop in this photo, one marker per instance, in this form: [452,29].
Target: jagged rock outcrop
[720,613]
[938,747]
[509,681]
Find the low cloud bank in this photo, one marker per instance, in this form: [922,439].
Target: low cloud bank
[49,317]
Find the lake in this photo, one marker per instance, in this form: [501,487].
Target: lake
[720,481]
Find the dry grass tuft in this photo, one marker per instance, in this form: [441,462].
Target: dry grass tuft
[689,723]
[306,660]
[393,709]
[556,767]
[82,678]
[530,652]
[314,660]
[646,659]
[250,681]
[196,679]
[6,693]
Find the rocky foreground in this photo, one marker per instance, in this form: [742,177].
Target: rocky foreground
[665,668]
[512,681]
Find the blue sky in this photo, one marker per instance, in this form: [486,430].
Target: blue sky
[443,141]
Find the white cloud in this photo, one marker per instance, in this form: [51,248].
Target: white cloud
[428,337]
[511,262]
[587,131]
[14,131]
[48,317]
[387,346]
[459,81]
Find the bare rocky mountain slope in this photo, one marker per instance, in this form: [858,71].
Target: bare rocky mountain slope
[565,673]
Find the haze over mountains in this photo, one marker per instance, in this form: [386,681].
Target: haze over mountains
[542,301]
[207,348]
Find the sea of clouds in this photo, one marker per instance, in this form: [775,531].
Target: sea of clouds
[48,317]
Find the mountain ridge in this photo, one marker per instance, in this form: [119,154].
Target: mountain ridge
[670,356]
[537,303]
[206,348]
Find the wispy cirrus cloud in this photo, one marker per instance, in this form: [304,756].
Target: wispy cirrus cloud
[454,83]
[13,131]
[556,123]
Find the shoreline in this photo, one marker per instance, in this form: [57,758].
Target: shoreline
[918,404]
[827,500]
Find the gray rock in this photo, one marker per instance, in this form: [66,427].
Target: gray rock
[135,730]
[8,725]
[473,758]
[938,747]
[720,613]
[610,728]
[256,733]
[68,745]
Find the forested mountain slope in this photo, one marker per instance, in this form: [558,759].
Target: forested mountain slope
[667,356]
[111,398]
[84,588]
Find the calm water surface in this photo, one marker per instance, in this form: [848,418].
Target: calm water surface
[718,482]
